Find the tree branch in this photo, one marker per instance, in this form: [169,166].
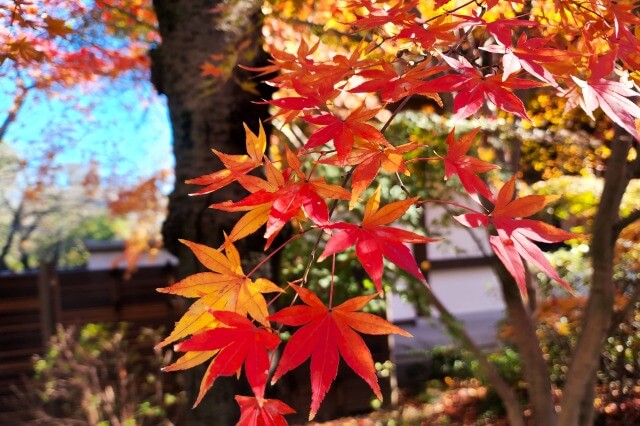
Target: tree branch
[18,103]
[625,221]
[508,396]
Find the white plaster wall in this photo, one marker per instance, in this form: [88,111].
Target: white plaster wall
[109,260]
[463,291]
[399,310]
[467,290]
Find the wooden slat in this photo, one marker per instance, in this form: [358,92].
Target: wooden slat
[18,305]
[76,297]
[18,327]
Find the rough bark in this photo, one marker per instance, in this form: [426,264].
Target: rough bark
[534,368]
[201,122]
[599,310]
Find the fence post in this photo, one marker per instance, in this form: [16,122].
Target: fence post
[48,295]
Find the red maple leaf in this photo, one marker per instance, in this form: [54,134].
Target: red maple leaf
[373,240]
[466,167]
[281,199]
[393,86]
[344,132]
[528,54]
[314,92]
[472,87]
[262,412]
[502,29]
[327,333]
[610,96]
[514,240]
[368,159]
[241,342]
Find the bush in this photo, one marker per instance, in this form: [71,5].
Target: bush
[617,399]
[103,374]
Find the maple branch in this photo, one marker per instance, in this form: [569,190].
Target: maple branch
[402,186]
[455,328]
[453,203]
[469,231]
[277,296]
[314,250]
[599,310]
[413,160]
[473,236]
[322,30]
[288,130]
[395,113]
[18,103]
[458,332]
[598,14]
[333,276]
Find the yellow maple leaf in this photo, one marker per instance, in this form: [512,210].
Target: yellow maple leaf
[226,288]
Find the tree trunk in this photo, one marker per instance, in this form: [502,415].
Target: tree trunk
[534,368]
[201,122]
[599,310]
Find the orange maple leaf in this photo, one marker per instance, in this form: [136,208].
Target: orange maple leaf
[236,166]
[280,199]
[368,158]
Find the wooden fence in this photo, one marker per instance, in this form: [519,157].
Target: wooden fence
[31,304]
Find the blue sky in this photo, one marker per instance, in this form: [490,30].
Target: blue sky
[125,127]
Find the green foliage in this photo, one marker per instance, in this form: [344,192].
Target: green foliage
[350,279]
[457,363]
[68,250]
[451,361]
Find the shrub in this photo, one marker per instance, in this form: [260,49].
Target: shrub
[102,374]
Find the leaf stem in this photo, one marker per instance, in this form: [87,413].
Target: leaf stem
[413,160]
[276,250]
[333,276]
[452,203]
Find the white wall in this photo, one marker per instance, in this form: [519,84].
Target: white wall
[463,290]
[467,290]
[109,260]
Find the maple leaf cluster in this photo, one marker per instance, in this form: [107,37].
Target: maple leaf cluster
[43,41]
[586,52]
